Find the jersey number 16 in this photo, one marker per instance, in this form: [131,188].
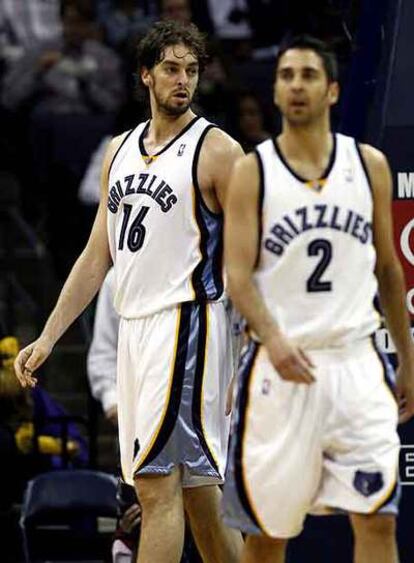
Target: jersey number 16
[136,232]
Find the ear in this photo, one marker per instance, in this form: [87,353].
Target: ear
[146,76]
[275,96]
[333,93]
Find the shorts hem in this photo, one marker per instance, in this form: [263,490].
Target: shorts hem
[252,530]
[190,479]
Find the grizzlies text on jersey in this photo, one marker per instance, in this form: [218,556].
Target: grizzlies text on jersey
[165,243]
[317,258]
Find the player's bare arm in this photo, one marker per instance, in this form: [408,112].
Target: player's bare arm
[79,289]
[241,245]
[218,155]
[390,278]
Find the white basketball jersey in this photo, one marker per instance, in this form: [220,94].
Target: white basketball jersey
[316,261]
[165,243]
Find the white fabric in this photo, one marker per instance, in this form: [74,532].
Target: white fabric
[318,319]
[121,553]
[89,189]
[223,27]
[102,355]
[159,273]
[302,445]
[26,22]
[146,357]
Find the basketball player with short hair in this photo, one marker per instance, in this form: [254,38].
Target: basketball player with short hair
[308,241]
[160,222]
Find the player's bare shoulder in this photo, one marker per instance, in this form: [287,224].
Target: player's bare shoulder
[111,151]
[218,154]
[220,146]
[246,176]
[115,144]
[378,169]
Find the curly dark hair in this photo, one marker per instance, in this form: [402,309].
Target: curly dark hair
[166,33]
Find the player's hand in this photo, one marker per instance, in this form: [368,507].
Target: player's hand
[29,360]
[405,390]
[290,361]
[112,415]
[130,518]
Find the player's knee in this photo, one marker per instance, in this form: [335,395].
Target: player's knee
[157,493]
[374,526]
[203,500]
[265,544]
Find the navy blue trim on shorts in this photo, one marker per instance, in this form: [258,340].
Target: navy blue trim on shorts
[174,402]
[198,383]
[243,401]
[389,381]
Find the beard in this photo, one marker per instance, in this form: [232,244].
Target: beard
[170,108]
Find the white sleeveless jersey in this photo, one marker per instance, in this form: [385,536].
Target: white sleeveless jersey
[165,243]
[316,261]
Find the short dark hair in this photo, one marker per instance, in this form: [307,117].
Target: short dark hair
[308,42]
[166,33]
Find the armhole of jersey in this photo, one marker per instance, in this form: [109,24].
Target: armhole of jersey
[118,149]
[364,166]
[260,201]
[194,171]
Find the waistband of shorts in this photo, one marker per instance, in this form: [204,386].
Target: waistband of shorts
[350,349]
[347,350]
[221,301]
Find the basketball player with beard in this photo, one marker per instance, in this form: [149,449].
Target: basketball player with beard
[160,223]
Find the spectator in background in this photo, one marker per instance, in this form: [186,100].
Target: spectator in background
[30,440]
[24,23]
[73,74]
[124,20]
[71,91]
[101,362]
[179,10]
[251,124]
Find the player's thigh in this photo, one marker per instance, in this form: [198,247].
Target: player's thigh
[276,434]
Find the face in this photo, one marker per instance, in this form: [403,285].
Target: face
[250,116]
[76,29]
[302,91]
[173,81]
[176,10]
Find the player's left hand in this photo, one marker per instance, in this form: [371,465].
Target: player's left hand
[405,391]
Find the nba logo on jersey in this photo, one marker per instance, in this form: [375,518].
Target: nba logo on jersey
[180,150]
[265,386]
[348,175]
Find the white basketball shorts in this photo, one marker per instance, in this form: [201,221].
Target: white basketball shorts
[297,449]
[174,368]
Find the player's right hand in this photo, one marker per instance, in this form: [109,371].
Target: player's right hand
[290,361]
[29,359]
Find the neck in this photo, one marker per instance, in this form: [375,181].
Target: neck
[311,141]
[163,127]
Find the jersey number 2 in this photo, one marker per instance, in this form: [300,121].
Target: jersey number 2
[136,234]
[323,248]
